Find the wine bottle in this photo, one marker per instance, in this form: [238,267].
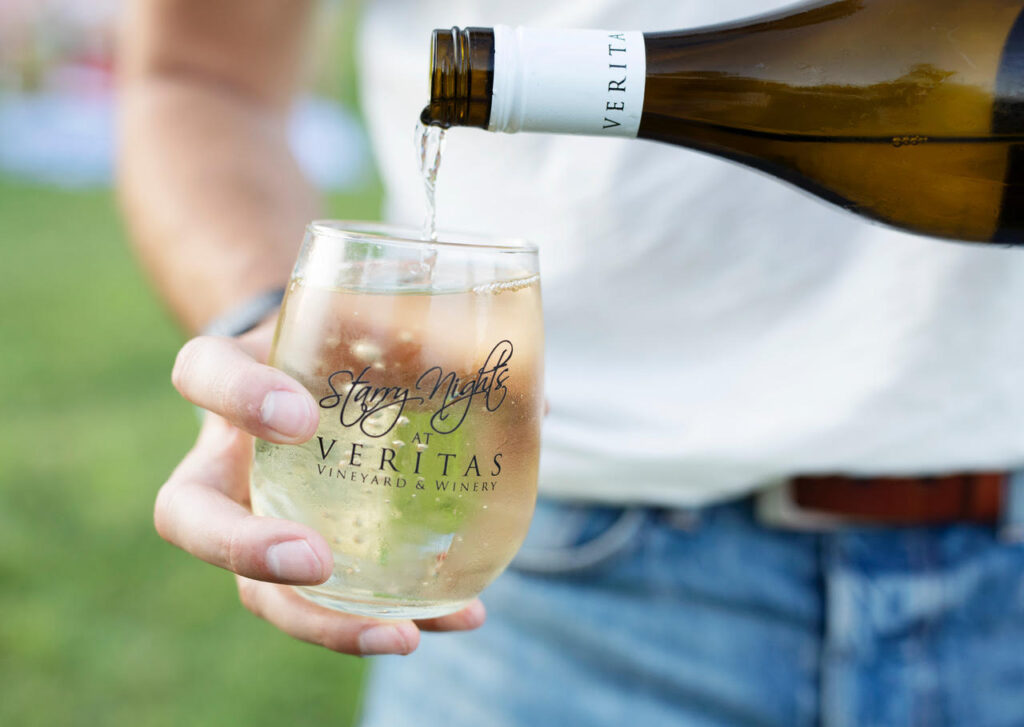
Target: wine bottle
[909,112]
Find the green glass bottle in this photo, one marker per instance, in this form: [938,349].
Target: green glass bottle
[909,112]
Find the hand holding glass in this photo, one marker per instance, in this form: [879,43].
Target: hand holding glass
[426,360]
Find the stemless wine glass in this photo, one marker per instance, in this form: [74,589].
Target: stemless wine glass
[426,360]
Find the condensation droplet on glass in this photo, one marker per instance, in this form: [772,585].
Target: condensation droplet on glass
[350,571]
[422,446]
[366,350]
[398,444]
[403,420]
[405,336]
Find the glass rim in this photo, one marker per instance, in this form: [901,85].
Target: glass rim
[408,236]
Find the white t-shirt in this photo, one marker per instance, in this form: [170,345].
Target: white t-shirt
[709,329]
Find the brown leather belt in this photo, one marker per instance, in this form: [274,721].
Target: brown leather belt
[974,498]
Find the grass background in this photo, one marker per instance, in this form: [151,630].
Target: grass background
[101,622]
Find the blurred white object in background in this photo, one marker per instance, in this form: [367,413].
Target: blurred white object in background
[65,138]
[37,36]
[331,145]
[57,102]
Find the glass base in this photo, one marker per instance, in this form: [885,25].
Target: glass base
[384,609]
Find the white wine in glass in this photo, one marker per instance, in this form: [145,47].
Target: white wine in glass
[426,361]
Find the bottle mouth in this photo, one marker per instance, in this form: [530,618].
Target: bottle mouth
[461,78]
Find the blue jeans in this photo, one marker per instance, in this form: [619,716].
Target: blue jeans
[645,617]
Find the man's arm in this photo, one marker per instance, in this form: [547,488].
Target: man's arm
[214,198]
[217,205]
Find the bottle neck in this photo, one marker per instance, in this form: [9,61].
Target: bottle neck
[461,78]
[555,81]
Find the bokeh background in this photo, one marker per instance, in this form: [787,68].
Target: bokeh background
[101,622]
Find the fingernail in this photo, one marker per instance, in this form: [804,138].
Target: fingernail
[285,413]
[475,614]
[294,560]
[382,640]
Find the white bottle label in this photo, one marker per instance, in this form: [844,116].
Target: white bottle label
[568,81]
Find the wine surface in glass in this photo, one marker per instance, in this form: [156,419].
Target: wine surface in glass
[422,476]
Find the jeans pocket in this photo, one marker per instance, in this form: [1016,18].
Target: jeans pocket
[567,538]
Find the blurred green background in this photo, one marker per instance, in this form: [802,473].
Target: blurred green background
[101,622]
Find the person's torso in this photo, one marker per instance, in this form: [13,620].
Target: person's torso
[709,329]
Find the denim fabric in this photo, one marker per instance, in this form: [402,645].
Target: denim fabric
[649,617]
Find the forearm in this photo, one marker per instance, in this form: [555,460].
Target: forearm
[214,200]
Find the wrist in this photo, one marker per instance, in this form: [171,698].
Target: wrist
[245,315]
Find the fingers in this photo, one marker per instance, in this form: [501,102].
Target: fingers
[469,618]
[257,341]
[334,630]
[216,374]
[342,632]
[210,526]
[194,512]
